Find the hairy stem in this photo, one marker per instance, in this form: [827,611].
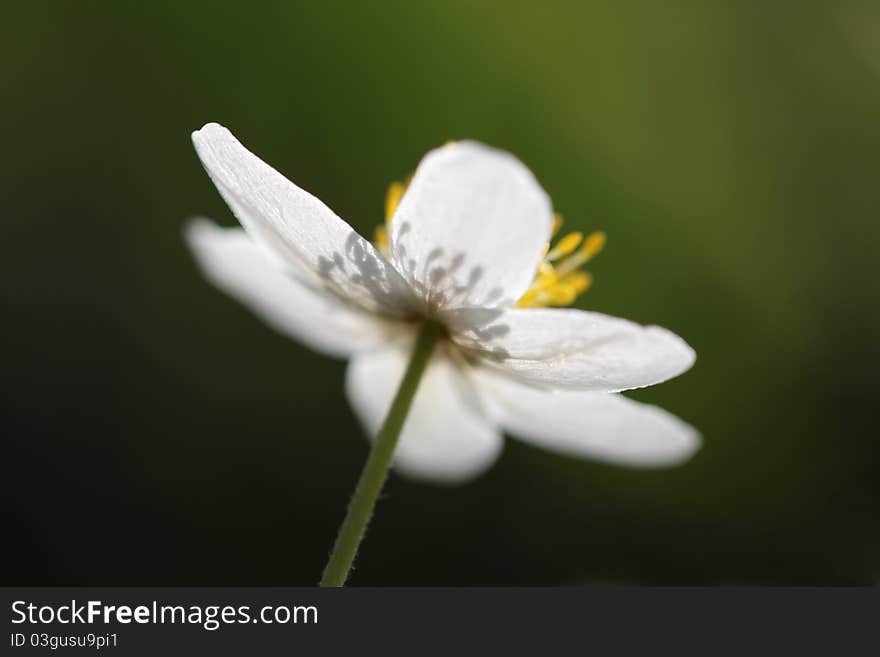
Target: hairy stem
[375,471]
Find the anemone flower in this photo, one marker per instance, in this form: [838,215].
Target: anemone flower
[452,320]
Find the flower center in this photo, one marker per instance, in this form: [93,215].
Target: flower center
[559,279]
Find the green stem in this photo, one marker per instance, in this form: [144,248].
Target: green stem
[360,509]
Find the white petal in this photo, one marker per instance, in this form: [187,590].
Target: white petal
[603,426]
[298,227]
[471,228]
[233,262]
[446,438]
[568,348]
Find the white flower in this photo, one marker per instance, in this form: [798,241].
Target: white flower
[463,246]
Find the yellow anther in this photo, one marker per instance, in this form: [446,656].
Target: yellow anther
[559,279]
[594,243]
[579,280]
[557,223]
[565,246]
[392,198]
[547,279]
[561,295]
[591,246]
[529,298]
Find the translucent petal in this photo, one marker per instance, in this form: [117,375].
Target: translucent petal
[568,348]
[595,425]
[471,228]
[298,227]
[233,262]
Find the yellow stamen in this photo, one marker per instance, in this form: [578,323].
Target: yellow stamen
[591,246]
[392,199]
[529,298]
[594,244]
[559,281]
[547,279]
[557,223]
[561,295]
[565,246]
[579,280]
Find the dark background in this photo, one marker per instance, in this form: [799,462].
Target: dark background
[156,433]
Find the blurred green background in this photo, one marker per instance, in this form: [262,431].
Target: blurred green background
[157,433]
